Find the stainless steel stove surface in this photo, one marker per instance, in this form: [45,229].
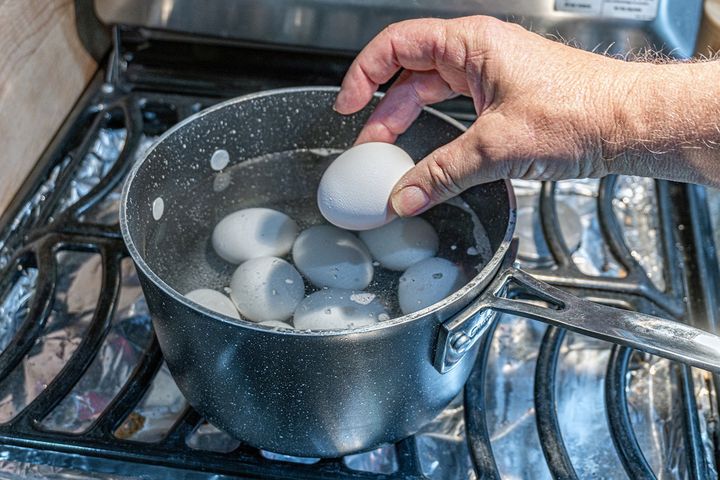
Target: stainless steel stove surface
[84,391]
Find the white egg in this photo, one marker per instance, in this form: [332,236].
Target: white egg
[354,191]
[330,257]
[337,309]
[214,300]
[252,233]
[266,288]
[402,242]
[276,324]
[427,282]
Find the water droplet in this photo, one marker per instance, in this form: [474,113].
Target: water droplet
[328,311]
[289,281]
[453,247]
[472,251]
[383,317]
[437,276]
[158,207]
[219,159]
[274,292]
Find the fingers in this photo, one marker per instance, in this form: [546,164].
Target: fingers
[445,173]
[402,104]
[411,44]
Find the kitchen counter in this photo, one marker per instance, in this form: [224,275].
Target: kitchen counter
[43,70]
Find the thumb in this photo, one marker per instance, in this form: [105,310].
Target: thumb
[440,176]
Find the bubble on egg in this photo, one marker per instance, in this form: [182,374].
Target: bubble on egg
[214,300]
[402,242]
[331,257]
[354,191]
[338,309]
[261,292]
[427,282]
[252,233]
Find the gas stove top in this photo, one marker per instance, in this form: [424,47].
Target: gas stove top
[84,389]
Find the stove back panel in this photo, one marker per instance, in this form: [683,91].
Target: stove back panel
[618,26]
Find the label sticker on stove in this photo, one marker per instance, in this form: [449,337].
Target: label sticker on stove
[630,9]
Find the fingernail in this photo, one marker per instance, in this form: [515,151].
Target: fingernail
[409,201]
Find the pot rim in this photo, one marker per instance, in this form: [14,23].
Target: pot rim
[481,279]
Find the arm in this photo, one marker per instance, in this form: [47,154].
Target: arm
[546,111]
[669,125]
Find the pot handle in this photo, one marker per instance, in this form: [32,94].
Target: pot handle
[665,338]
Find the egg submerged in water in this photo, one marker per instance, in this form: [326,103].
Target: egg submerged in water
[338,309]
[330,257]
[266,288]
[252,233]
[214,300]
[402,242]
[427,282]
[354,192]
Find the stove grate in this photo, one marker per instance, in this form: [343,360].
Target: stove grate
[36,227]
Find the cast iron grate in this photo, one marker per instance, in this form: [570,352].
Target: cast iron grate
[34,237]
[684,222]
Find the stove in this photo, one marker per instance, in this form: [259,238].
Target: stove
[84,391]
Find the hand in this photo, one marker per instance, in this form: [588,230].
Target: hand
[546,111]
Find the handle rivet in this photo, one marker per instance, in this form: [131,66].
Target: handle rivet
[459,341]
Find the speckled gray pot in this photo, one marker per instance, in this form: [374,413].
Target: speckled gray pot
[300,393]
[328,393]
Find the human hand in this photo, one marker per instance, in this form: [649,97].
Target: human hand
[546,111]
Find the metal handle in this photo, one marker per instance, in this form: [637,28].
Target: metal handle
[648,333]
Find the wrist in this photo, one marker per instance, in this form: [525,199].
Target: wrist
[633,101]
[662,110]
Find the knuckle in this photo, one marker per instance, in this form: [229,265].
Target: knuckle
[421,89]
[440,44]
[440,173]
[515,27]
[391,33]
[489,26]
[416,92]
[394,30]
[391,29]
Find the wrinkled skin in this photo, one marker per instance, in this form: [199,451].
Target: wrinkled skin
[546,111]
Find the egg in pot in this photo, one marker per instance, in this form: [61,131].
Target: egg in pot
[338,309]
[214,300]
[266,288]
[427,282]
[402,242]
[252,233]
[354,192]
[331,257]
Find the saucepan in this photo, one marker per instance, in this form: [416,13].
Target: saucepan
[331,393]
